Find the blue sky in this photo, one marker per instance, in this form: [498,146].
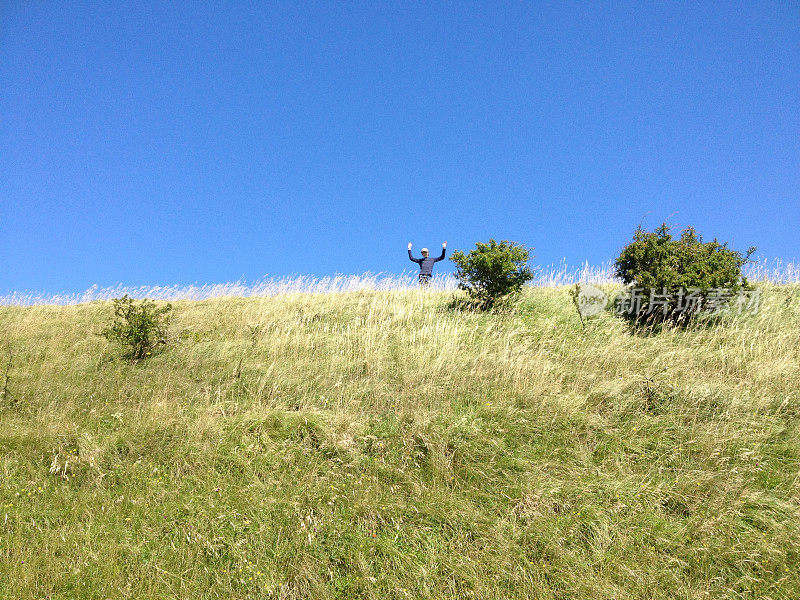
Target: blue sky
[160,143]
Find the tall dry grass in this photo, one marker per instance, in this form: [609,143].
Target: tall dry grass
[553,275]
[383,444]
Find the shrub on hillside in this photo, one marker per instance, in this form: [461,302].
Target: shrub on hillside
[676,279]
[139,327]
[493,272]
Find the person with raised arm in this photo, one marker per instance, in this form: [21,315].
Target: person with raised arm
[426,264]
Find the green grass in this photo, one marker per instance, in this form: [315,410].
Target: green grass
[383,445]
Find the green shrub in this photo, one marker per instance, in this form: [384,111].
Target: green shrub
[139,327]
[685,276]
[492,272]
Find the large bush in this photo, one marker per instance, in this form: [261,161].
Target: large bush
[676,279]
[493,272]
[139,327]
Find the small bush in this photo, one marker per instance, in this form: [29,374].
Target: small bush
[493,272]
[668,270]
[139,327]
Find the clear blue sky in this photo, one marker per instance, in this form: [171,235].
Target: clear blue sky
[159,143]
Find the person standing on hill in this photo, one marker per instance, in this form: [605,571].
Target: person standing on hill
[426,264]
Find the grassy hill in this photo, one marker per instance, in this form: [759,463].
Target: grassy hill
[383,445]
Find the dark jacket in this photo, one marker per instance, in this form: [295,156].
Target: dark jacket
[426,264]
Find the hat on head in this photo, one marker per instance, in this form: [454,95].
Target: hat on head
[424,250]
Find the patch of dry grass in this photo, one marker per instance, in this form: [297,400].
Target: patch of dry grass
[380,444]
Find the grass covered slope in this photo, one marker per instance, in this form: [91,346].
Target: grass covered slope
[382,445]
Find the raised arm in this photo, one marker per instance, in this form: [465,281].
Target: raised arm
[411,256]
[444,248]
